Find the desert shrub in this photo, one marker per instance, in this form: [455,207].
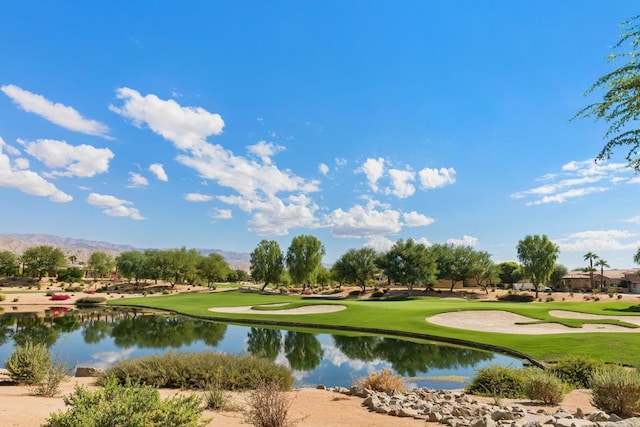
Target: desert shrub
[576,370]
[3,297]
[549,299]
[91,300]
[58,372]
[71,274]
[29,363]
[516,297]
[543,386]
[498,381]
[268,407]
[377,294]
[384,380]
[127,405]
[199,370]
[615,389]
[215,397]
[60,297]
[74,289]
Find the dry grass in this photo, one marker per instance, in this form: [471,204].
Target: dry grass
[382,381]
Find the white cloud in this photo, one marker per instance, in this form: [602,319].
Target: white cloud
[265,150]
[573,181]
[27,181]
[137,180]
[113,206]
[222,214]
[8,148]
[373,170]
[401,180]
[379,243]
[56,113]
[435,178]
[187,127]
[633,219]
[340,162]
[158,170]
[360,221]
[197,197]
[323,169]
[21,163]
[415,219]
[424,241]
[83,160]
[599,240]
[465,241]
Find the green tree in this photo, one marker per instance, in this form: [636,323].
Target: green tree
[538,256]
[304,257]
[602,264]
[455,262]
[8,264]
[100,264]
[620,104]
[483,270]
[238,275]
[636,256]
[213,268]
[590,256]
[42,260]
[357,266]
[408,263]
[157,264]
[131,265]
[267,263]
[509,272]
[559,271]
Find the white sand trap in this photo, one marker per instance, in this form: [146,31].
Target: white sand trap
[308,309]
[576,315]
[508,323]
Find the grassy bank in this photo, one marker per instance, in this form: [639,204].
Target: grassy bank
[408,317]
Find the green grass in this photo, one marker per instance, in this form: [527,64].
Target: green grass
[407,318]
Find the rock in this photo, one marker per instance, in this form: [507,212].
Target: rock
[321,387]
[88,372]
[598,416]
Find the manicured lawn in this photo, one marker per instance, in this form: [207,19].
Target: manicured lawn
[409,317]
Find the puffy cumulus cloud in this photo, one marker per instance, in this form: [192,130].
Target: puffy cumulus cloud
[265,150]
[197,197]
[275,216]
[436,178]
[373,169]
[113,206]
[158,170]
[379,243]
[21,163]
[222,214]
[323,169]
[423,241]
[465,241]
[360,221]
[83,160]
[599,240]
[575,180]
[415,219]
[186,127]
[59,114]
[8,148]
[137,180]
[15,176]
[401,183]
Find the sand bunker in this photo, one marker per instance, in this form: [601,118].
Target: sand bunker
[510,323]
[308,309]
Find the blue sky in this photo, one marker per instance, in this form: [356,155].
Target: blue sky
[217,124]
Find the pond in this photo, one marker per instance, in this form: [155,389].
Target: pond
[102,337]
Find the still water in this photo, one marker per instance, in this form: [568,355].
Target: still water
[102,337]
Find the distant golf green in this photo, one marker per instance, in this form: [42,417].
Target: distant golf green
[408,317]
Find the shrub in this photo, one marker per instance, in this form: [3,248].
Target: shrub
[199,370]
[516,297]
[127,405]
[576,370]
[544,386]
[3,297]
[382,381]
[498,381]
[71,274]
[268,407]
[29,363]
[58,372]
[60,297]
[215,397]
[75,289]
[616,390]
[90,300]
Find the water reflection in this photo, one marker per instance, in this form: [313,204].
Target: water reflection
[101,337]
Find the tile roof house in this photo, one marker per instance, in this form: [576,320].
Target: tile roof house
[626,280]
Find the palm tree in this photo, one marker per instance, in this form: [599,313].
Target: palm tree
[602,264]
[590,256]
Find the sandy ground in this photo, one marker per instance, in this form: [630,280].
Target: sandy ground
[311,407]
[309,309]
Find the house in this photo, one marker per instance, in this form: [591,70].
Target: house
[626,280]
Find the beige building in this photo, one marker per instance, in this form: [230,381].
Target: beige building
[625,280]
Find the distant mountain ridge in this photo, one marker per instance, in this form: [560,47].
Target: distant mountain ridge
[82,248]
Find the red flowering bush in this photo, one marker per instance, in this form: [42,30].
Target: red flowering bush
[60,297]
